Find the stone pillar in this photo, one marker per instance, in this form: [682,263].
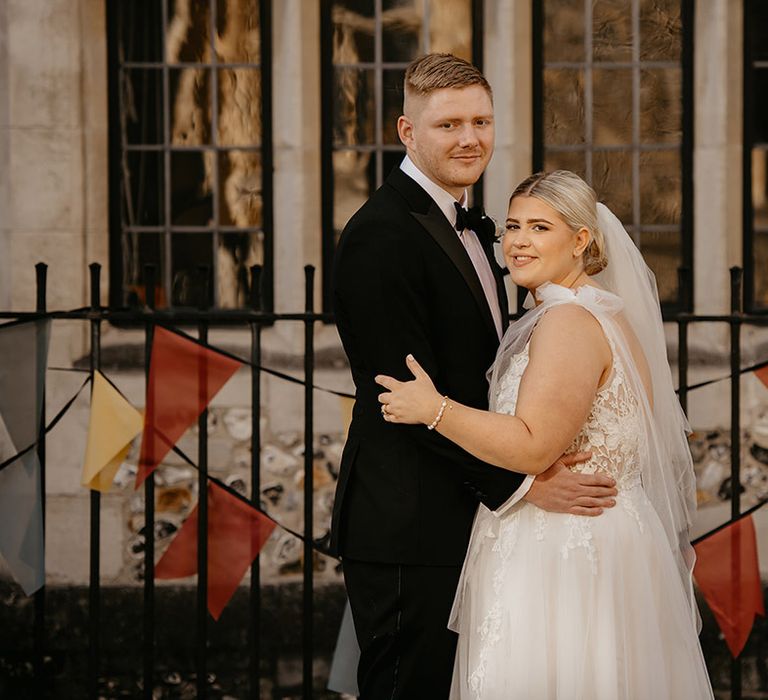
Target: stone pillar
[5,248]
[53,209]
[296,138]
[95,141]
[43,132]
[507,61]
[717,193]
[53,148]
[717,239]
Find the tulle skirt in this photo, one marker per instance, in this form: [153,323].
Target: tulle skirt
[555,606]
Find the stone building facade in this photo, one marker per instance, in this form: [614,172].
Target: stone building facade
[55,207]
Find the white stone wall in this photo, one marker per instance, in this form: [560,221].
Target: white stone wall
[54,125]
[54,207]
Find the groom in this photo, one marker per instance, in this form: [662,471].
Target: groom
[415,273]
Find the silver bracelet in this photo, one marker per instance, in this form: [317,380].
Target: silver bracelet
[439,416]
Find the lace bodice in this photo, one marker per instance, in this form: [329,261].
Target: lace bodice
[612,431]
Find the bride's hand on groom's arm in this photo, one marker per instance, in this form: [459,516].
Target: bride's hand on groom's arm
[560,490]
[412,402]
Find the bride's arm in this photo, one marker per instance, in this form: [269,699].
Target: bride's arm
[568,356]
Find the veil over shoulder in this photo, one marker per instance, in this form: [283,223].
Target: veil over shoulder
[626,304]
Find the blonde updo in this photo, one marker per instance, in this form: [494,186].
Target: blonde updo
[576,203]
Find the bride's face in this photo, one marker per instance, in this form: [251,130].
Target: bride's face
[539,246]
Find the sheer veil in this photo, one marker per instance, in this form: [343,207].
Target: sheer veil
[630,299]
[668,479]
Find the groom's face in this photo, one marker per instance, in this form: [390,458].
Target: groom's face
[449,135]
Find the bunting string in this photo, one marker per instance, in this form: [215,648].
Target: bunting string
[48,427]
[33,316]
[295,380]
[743,370]
[261,368]
[730,522]
[317,545]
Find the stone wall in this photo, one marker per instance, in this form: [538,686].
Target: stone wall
[53,208]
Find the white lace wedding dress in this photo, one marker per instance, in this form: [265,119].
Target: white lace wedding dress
[557,606]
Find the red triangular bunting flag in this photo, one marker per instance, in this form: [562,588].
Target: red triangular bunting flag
[236,534]
[183,378]
[728,576]
[762,374]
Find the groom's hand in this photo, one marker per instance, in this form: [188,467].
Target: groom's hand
[560,490]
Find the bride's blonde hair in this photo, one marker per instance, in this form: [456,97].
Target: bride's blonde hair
[576,202]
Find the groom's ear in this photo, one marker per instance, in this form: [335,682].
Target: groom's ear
[405,130]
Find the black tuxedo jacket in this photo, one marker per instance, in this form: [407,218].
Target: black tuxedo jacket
[403,283]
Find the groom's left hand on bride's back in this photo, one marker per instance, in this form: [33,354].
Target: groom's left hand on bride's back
[561,490]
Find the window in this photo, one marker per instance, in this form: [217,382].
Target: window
[756,155]
[190,150]
[366,47]
[612,101]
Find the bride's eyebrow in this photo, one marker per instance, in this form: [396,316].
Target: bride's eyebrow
[531,221]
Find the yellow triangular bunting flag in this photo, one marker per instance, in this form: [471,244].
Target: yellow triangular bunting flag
[112,426]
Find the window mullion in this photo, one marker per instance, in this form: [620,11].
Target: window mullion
[167,187]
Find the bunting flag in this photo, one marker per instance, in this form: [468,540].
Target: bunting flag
[24,349]
[113,424]
[728,577]
[762,375]
[236,534]
[183,378]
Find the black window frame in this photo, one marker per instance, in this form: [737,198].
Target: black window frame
[684,301]
[328,246]
[115,67]
[749,141]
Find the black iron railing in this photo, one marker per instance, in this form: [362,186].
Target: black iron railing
[256,319]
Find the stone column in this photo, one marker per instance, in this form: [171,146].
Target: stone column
[5,248]
[296,137]
[718,110]
[507,61]
[53,126]
[717,193]
[43,133]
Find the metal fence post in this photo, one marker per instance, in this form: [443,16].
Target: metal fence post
[149,508]
[254,598]
[308,581]
[40,641]
[735,322]
[202,501]
[94,590]
[684,284]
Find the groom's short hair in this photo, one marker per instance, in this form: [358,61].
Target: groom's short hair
[436,71]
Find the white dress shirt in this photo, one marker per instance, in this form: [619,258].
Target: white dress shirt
[445,201]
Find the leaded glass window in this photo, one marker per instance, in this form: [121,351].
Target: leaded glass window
[366,46]
[190,150]
[613,108]
[756,155]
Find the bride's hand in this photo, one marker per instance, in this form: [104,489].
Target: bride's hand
[411,402]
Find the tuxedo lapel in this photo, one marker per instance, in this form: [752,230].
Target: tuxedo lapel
[424,209]
[438,227]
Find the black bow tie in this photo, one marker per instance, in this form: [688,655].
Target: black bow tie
[475,220]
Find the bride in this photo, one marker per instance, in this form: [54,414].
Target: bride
[562,606]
